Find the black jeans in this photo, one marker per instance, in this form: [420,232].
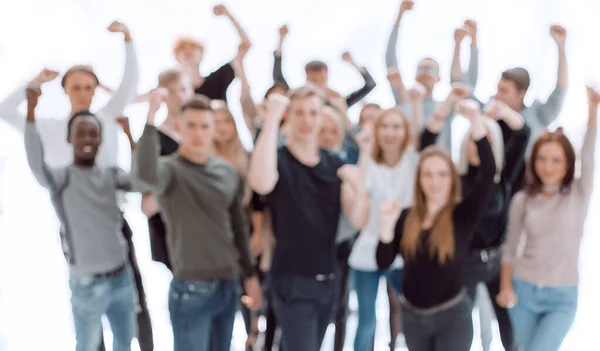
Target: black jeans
[304,307]
[145,337]
[484,267]
[341,313]
[449,329]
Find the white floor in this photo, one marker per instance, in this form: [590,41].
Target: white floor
[34,296]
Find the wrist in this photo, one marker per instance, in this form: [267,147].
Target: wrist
[127,37]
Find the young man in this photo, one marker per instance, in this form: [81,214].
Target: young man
[200,199]
[84,196]
[317,73]
[306,187]
[80,83]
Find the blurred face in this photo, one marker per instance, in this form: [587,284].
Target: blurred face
[510,95]
[225,129]
[428,73]
[179,92]
[195,128]
[330,135]
[189,54]
[436,179]
[391,132]
[319,78]
[551,163]
[304,117]
[80,87]
[86,138]
[367,115]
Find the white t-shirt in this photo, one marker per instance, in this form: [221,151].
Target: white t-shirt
[383,184]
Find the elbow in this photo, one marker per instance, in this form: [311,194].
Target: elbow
[261,184]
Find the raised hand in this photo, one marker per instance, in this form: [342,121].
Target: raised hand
[461,90]
[283,31]
[471,28]
[406,5]
[593,96]
[118,27]
[347,57]
[559,34]
[220,10]
[33,94]
[156,98]
[460,34]
[390,212]
[275,107]
[365,139]
[495,109]
[394,77]
[506,298]
[417,93]
[45,76]
[469,109]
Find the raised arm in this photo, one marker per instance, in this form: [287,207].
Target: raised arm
[221,10]
[277,63]
[147,169]
[437,121]
[369,85]
[472,206]
[392,227]
[9,107]
[127,90]
[248,107]
[585,183]
[456,74]
[354,199]
[262,172]
[550,110]
[391,59]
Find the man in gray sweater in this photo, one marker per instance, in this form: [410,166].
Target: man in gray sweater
[200,198]
[84,196]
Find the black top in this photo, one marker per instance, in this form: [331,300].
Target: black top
[305,206]
[426,282]
[216,84]
[491,231]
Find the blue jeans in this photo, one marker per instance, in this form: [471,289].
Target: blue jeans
[542,316]
[366,284]
[201,311]
[95,296]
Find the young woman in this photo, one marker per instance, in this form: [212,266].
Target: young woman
[434,238]
[540,287]
[508,135]
[388,159]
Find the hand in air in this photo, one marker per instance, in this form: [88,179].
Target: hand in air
[390,212]
[468,108]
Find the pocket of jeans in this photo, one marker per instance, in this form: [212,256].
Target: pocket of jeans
[83,287]
[199,290]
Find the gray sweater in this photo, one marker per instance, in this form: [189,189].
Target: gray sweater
[85,201]
[201,205]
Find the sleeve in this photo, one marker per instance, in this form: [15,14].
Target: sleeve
[216,84]
[472,74]
[9,109]
[148,170]
[468,212]
[391,58]
[241,233]
[516,226]
[386,253]
[127,89]
[514,150]
[585,183]
[123,179]
[358,95]
[550,110]
[278,71]
[427,139]
[258,202]
[48,178]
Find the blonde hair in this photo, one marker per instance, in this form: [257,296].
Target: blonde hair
[334,115]
[169,76]
[186,40]
[497,144]
[441,242]
[303,92]
[377,154]
[236,155]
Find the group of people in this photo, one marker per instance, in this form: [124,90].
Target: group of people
[320,206]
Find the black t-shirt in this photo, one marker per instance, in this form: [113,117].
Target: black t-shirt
[216,84]
[427,283]
[305,206]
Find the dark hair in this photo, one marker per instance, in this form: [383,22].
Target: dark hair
[276,85]
[82,113]
[519,76]
[79,68]
[533,183]
[315,66]
[198,102]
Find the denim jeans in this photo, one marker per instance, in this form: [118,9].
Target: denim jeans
[366,284]
[543,315]
[95,296]
[341,311]
[202,312]
[303,307]
[449,329]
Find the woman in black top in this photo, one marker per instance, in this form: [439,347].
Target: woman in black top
[509,136]
[434,238]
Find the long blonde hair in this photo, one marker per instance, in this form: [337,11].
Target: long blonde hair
[377,154]
[441,242]
[234,152]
